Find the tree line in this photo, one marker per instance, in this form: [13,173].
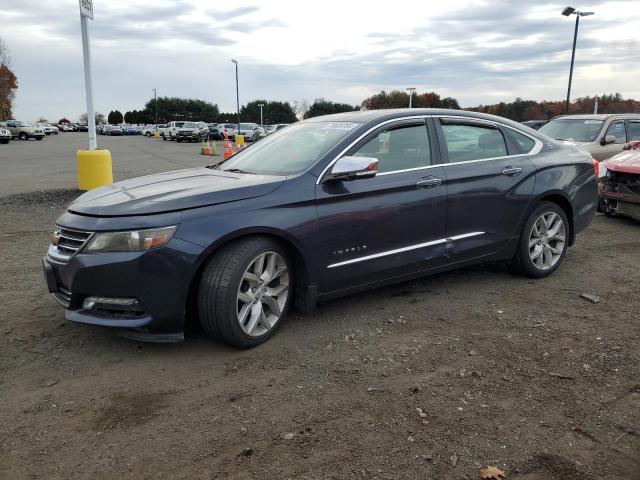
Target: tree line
[273,112]
[521,110]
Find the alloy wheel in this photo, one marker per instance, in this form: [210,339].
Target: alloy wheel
[262,294]
[546,240]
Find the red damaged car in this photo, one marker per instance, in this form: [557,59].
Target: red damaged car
[619,184]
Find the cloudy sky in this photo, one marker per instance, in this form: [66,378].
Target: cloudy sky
[477,51]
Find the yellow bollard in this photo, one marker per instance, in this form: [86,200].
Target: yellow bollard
[156,134]
[94,168]
[240,140]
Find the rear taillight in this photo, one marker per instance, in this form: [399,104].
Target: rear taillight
[596,167]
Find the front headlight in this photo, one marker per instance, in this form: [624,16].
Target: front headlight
[131,241]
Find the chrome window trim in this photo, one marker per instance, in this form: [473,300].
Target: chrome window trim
[405,249]
[535,150]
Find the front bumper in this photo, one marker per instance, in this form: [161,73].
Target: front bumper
[187,136]
[158,279]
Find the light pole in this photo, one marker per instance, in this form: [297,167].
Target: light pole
[568,11]
[411,90]
[261,105]
[235,62]
[155,103]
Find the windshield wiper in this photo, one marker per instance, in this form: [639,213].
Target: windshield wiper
[236,170]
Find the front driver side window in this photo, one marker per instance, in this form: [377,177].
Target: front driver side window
[473,142]
[617,129]
[399,148]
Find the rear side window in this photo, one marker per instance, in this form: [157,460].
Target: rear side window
[473,142]
[634,130]
[523,143]
[399,148]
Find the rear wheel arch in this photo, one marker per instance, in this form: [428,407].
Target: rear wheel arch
[564,203]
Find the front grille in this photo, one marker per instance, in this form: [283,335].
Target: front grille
[70,241]
[63,297]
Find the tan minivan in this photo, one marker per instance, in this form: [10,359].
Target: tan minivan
[603,136]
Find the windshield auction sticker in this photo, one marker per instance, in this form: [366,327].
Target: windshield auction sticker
[340,126]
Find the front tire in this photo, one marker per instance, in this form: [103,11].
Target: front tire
[543,241]
[23,136]
[246,291]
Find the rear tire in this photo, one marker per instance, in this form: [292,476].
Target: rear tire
[238,305]
[543,241]
[23,136]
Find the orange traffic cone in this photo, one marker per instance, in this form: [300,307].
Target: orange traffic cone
[227,149]
[207,148]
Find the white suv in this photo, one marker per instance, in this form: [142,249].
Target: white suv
[169,131]
[24,130]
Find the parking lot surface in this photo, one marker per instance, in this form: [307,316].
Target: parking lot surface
[434,378]
[51,163]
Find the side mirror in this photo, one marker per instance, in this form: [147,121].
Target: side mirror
[608,140]
[353,168]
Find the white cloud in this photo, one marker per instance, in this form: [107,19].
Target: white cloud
[478,51]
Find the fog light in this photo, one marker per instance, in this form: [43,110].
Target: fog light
[111,303]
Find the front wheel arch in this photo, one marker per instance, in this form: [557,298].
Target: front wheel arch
[301,283]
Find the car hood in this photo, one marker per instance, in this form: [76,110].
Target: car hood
[172,191]
[626,162]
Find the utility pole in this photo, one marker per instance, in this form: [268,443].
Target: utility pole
[234,61]
[411,90]
[261,105]
[86,11]
[567,12]
[155,103]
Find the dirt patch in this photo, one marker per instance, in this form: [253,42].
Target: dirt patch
[128,410]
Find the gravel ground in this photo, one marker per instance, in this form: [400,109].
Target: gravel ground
[434,378]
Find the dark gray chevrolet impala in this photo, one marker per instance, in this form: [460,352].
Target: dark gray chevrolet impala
[323,208]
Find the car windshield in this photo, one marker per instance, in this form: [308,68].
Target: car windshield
[292,151]
[24,124]
[189,125]
[247,126]
[572,129]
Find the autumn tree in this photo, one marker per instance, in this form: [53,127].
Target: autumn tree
[400,99]
[8,83]
[521,110]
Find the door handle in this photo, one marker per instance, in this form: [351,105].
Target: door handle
[429,182]
[511,170]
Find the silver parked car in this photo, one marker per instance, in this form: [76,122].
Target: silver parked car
[603,136]
[5,135]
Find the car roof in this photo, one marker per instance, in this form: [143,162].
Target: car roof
[597,116]
[375,116]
